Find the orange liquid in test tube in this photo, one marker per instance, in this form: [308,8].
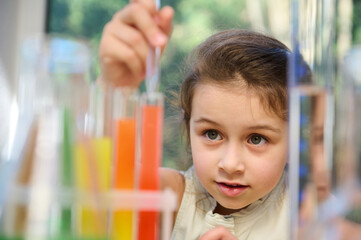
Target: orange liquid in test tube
[124,174]
[151,147]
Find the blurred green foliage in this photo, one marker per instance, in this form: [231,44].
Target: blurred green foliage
[194,21]
[356,20]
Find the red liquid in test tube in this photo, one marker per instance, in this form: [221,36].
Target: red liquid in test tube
[151,155]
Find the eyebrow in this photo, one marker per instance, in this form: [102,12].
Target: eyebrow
[255,127]
[205,120]
[265,127]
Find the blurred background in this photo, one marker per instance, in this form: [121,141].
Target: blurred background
[328,39]
[194,21]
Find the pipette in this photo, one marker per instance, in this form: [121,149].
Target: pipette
[151,142]
[152,67]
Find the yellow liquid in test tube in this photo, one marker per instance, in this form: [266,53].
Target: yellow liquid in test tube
[92,175]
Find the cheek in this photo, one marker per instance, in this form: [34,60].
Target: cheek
[201,165]
[198,156]
[266,179]
[278,157]
[202,159]
[196,147]
[270,170]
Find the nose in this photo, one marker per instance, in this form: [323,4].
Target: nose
[233,158]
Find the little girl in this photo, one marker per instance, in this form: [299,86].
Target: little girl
[234,103]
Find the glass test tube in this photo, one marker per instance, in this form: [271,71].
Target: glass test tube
[67,68]
[44,176]
[15,212]
[151,156]
[125,113]
[15,218]
[45,65]
[310,84]
[92,159]
[347,174]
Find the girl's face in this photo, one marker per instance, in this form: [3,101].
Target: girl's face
[238,148]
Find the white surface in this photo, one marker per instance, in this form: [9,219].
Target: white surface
[4,106]
[19,20]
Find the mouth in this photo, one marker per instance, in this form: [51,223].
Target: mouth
[231,189]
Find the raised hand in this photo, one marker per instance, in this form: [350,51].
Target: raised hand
[125,41]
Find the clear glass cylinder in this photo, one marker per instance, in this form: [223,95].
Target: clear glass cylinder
[347,164]
[150,139]
[311,117]
[125,113]
[50,67]
[92,161]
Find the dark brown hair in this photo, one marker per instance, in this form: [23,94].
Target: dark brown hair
[239,58]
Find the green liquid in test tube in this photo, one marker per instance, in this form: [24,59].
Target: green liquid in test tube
[64,228]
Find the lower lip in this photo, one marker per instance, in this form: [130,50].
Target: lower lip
[231,191]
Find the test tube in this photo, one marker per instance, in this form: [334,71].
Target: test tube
[44,175]
[347,174]
[310,83]
[92,159]
[62,216]
[67,64]
[150,136]
[15,212]
[125,114]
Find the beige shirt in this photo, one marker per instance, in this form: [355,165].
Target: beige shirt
[266,218]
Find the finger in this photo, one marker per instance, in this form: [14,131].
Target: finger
[165,17]
[149,4]
[113,77]
[164,21]
[130,36]
[121,53]
[136,15]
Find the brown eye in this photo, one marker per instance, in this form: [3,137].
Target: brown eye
[212,135]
